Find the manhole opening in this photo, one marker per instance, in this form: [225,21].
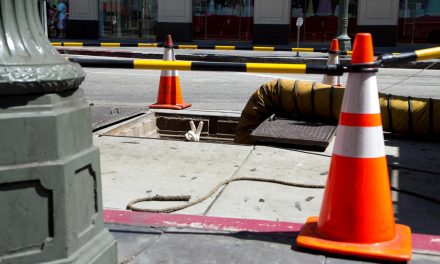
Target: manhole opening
[220,128]
[216,128]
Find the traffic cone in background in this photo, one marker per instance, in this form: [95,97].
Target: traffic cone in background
[333,58]
[356,216]
[169,95]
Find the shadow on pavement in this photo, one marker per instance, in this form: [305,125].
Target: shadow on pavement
[414,166]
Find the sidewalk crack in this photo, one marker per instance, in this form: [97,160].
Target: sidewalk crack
[226,185]
[148,245]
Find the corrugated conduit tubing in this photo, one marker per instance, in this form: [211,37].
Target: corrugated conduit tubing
[312,100]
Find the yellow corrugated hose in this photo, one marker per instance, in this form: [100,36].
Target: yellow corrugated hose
[305,99]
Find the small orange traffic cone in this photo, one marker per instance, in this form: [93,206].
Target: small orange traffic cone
[333,58]
[356,216]
[170,94]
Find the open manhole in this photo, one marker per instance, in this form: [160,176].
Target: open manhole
[218,127]
[164,124]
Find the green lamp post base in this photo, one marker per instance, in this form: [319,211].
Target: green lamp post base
[50,178]
[344,42]
[50,184]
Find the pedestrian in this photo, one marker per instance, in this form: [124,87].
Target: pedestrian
[52,20]
[62,17]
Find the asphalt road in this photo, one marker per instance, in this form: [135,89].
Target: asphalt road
[229,90]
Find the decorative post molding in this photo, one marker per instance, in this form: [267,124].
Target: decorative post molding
[50,180]
[28,62]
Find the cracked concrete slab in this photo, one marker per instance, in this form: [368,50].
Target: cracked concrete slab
[134,168]
[266,201]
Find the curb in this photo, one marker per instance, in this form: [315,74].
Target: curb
[421,242]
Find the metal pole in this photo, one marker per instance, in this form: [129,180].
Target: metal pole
[414,24]
[119,18]
[343,38]
[297,40]
[50,180]
[299,23]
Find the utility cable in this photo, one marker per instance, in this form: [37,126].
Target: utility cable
[411,76]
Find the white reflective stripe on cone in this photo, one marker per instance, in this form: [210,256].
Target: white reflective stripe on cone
[169,73]
[168,55]
[333,59]
[332,80]
[359,142]
[361,95]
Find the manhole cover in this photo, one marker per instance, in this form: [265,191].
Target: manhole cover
[299,133]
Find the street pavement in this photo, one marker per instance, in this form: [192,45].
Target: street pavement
[229,91]
[244,222]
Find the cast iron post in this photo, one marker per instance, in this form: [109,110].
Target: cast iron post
[50,179]
[343,38]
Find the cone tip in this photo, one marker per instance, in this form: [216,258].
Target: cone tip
[334,46]
[363,49]
[168,41]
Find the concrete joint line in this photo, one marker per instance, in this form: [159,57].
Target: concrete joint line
[313,153]
[149,244]
[226,185]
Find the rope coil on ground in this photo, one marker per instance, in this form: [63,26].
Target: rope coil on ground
[186,198]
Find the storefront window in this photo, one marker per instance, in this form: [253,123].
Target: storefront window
[51,19]
[223,19]
[419,21]
[320,19]
[131,19]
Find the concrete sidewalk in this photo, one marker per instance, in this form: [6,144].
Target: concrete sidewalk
[139,167]
[148,167]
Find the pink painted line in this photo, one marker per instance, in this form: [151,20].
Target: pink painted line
[421,242]
[426,242]
[196,221]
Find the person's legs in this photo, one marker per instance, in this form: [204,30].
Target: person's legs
[65,27]
[61,26]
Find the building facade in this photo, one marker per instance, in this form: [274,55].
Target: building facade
[259,21]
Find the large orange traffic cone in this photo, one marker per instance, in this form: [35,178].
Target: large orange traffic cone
[333,58]
[356,216]
[169,95]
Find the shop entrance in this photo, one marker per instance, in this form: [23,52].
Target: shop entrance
[223,19]
[128,19]
[320,19]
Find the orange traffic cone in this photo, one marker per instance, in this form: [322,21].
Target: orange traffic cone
[170,94]
[333,58]
[356,216]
